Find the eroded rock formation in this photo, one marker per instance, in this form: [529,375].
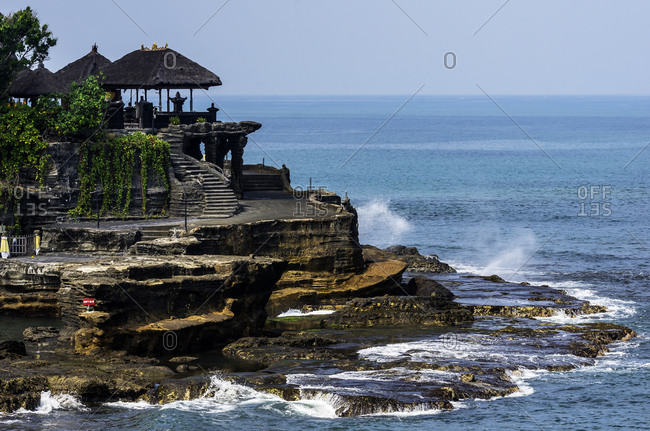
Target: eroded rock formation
[146,305]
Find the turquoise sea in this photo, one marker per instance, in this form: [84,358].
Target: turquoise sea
[556,192]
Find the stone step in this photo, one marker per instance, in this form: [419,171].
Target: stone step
[227,213]
[213,207]
[220,200]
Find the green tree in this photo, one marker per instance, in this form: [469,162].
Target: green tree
[23,43]
[86,109]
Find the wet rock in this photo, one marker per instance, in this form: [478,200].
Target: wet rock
[347,405]
[288,346]
[411,256]
[424,286]
[494,279]
[596,337]
[399,311]
[171,390]
[40,333]
[183,359]
[12,349]
[21,392]
[468,378]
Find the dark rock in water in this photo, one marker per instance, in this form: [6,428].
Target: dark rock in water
[12,349]
[171,390]
[401,250]
[493,278]
[183,359]
[348,405]
[21,392]
[596,337]
[40,333]
[411,256]
[399,311]
[424,286]
[289,345]
[468,378]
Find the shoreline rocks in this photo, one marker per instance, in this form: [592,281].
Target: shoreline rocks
[409,255]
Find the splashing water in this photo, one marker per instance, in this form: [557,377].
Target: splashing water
[379,225]
[511,255]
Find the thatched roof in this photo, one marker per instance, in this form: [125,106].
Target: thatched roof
[157,68]
[77,71]
[37,82]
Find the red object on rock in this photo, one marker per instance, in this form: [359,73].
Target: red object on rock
[89,301]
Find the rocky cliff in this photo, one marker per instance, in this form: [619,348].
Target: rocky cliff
[29,289]
[148,305]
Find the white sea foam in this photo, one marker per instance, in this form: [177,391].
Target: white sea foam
[521,378]
[224,396]
[616,308]
[418,410]
[292,312]
[51,402]
[138,405]
[381,226]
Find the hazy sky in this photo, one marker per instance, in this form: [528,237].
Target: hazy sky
[374,47]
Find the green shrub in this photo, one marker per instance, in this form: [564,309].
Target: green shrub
[86,108]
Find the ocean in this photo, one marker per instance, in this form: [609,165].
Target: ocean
[554,191]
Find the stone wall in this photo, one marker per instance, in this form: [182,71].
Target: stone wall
[327,245]
[41,205]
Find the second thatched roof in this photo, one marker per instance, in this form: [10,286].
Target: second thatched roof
[156,69]
[37,82]
[78,71]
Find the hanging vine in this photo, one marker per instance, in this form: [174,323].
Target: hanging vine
[109,166]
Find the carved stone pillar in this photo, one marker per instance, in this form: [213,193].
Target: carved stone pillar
[221,148]
[211,155]
[237,144]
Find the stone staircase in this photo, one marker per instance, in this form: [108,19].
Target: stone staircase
[220,201]
[254,181]
[150,233]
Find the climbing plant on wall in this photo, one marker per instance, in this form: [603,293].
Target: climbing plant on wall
[21,147]
[110,165]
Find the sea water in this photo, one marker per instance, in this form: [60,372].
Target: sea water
[557,192]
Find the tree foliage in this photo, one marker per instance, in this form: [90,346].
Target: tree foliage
[86,108]
[23,43]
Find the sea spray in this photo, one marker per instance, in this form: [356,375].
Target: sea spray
[51,402]
[379,225]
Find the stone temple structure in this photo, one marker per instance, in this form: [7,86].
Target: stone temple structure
[207,176]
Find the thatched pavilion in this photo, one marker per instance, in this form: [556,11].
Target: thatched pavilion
[78,71]
[29,84]
[161,69]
